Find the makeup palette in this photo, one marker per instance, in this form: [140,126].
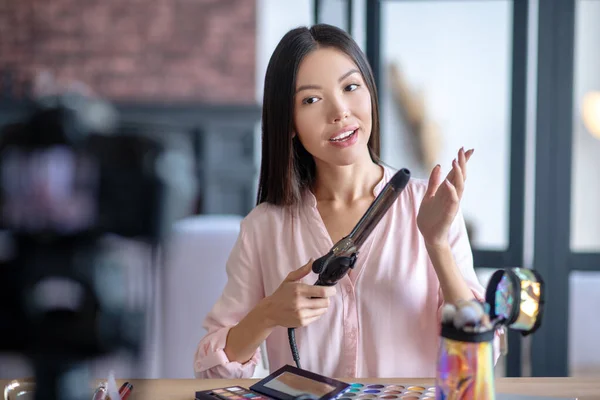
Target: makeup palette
[287,383]
[359,391]
[237,393]
[291,383]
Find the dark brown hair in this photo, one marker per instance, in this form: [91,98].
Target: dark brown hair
[287,168]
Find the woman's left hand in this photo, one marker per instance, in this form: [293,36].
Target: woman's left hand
[442,199]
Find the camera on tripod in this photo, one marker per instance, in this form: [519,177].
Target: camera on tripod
[71,175]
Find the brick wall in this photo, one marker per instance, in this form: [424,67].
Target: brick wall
[139,50]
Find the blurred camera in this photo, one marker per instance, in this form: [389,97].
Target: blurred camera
[71,175]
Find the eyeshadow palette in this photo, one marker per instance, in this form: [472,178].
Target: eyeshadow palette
[237,393]
[359,391]
[291,383]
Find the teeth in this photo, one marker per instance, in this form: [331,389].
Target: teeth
[343,136]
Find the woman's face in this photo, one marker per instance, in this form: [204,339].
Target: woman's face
[332,108]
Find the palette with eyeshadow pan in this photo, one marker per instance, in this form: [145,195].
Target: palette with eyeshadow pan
[287,383]
[237,393]
[359,391]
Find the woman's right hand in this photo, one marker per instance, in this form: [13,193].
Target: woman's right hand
[296,304]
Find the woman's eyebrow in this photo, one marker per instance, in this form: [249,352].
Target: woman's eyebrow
[308,87]
[347,74]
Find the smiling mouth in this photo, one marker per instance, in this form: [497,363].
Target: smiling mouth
[344,136]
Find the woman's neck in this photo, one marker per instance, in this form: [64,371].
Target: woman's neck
[346,184]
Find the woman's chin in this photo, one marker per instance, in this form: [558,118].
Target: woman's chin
[345,160]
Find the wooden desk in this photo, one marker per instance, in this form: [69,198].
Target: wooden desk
[183,389]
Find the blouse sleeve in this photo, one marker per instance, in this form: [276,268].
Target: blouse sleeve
[243,290]
[463,256]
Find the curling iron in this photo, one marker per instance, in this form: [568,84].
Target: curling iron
[334,265]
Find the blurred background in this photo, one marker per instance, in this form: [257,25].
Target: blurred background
[517,80]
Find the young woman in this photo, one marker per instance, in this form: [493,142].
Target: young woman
[320,172]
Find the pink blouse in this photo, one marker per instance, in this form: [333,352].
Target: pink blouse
[384,320]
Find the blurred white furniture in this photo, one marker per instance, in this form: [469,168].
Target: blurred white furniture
[194,277]
[194,266]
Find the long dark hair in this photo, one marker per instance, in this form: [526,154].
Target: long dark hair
[287,168]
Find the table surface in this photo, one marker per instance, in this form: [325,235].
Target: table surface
[183,389]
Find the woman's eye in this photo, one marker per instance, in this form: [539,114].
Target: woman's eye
[310,100]
[350,88]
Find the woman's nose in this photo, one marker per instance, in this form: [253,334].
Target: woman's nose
[339,111]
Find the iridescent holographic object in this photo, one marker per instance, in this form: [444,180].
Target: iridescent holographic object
[465,369]
[516,299]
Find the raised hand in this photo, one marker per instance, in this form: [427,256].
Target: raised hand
[442,199]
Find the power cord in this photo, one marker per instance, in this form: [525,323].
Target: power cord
[293,347]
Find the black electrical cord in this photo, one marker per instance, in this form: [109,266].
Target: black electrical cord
[293,347]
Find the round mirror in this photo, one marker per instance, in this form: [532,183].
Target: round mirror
[516,299]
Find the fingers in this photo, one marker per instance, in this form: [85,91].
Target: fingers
[447,193]
[450,192]
[434,180]
[300,272]
[462,159]
[462,163]
[459,182]
[316,291]
[312,313]
[314,304]
[308,319]
[309,310]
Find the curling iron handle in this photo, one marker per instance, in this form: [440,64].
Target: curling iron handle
[319,263]
[336,269]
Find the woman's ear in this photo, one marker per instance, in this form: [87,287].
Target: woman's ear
[293,135]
